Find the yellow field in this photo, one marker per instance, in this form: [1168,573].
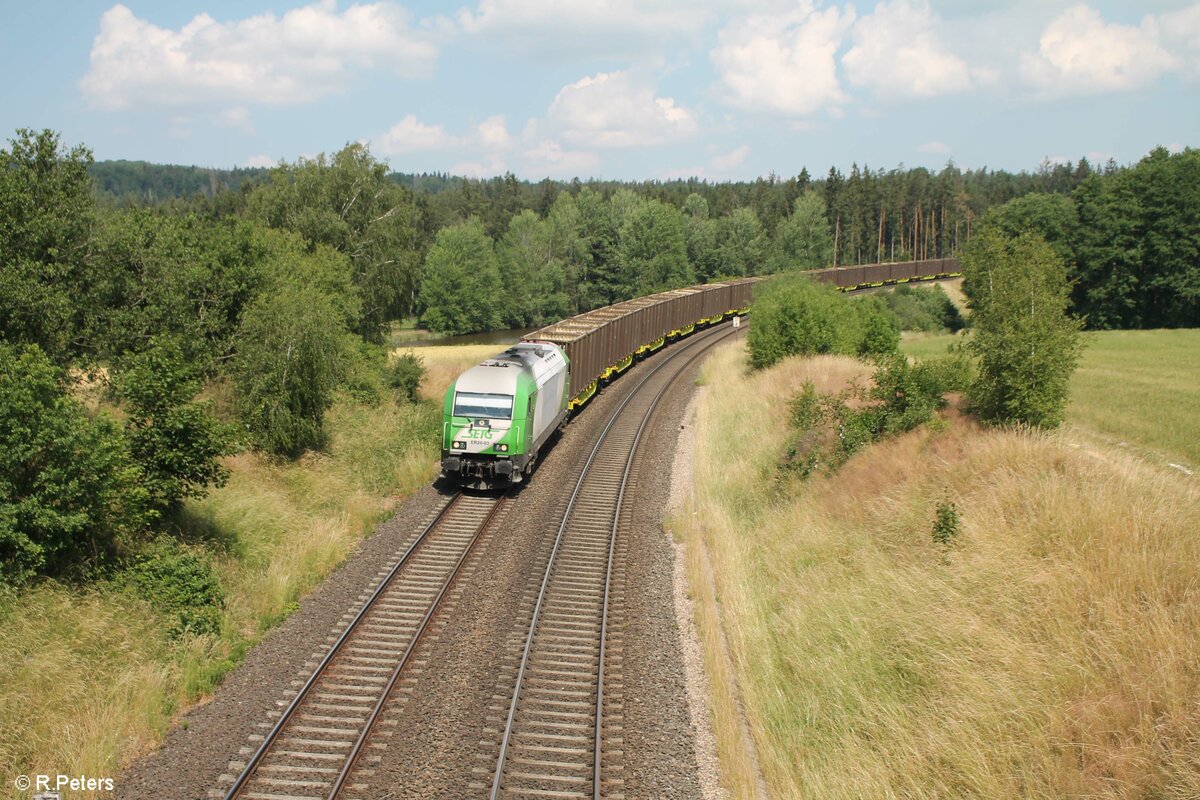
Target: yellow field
[1051,651]
[444,363]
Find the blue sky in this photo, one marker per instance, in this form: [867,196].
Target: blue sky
[609,88]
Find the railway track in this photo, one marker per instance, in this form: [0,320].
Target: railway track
[552,743]
[314,747]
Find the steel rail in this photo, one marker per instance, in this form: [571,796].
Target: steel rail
[352,757]
[256,759]
[596,754]
[512,710]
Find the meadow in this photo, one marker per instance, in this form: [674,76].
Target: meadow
[1133,389]
[1048,649]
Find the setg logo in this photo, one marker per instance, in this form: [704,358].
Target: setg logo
[478,434]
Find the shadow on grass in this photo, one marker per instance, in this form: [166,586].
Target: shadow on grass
[199,529]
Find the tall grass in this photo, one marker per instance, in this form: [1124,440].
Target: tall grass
[1051,651]
[88,680]
[444,363]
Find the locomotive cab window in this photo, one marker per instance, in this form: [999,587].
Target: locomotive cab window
[473,404]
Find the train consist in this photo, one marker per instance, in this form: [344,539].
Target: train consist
[865,276]
[498,415]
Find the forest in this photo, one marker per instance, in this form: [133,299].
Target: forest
[143,287]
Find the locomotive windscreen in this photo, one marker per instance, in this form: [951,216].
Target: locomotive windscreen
[473,404]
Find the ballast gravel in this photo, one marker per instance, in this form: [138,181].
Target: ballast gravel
[438,742]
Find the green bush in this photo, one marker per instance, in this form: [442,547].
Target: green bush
[291,356]
[176,442]
[945,523]
[69,490]
[406,374]
[829,429]
[794,315]
[1026,342]
[923,308]
[180,584]
[880,333]
[365,372]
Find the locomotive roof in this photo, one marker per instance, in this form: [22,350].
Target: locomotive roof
[499,373]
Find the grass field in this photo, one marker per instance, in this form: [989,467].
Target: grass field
[1051,651]
[1138,389]
[88,680]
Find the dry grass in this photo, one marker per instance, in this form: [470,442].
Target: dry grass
[1053,651]
[444,363]
[88,680]
[954,291]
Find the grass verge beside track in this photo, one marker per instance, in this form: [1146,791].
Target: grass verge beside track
[1050,651]
[88,678]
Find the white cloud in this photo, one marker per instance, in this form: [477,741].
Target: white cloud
[476,169]
[1081,53]
[617,109]
[734,158]
[307,53]
[492,134]
[571,30]
[1181,35]
[783,62]
[260,161]
[547,158]
[897,52]
[237,117]
[935,148]
[410,135]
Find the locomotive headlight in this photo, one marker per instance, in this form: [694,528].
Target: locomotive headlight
[501,448]
[457,445]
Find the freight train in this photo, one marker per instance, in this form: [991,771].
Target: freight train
[499,415]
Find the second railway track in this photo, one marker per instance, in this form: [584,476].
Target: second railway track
[551,740]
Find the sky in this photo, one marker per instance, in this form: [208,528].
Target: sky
[612,89]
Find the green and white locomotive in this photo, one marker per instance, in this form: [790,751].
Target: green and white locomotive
[499,414]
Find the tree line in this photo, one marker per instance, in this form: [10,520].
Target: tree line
[282,291]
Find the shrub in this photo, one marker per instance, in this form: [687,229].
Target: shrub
[880,328]
[68,488]
[406,374]
[945,523]
[923,308]
[794,315]
[290,359]
[365,372]
[830,429]
[179,583]
[1027,344]
[175,441]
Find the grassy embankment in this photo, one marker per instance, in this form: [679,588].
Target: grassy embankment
[88,677]
[1051,651]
